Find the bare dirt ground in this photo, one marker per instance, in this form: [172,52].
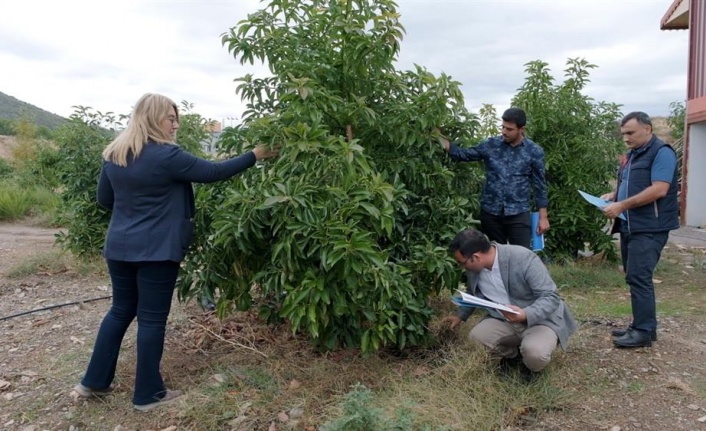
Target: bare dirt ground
[7,143]
[43,354]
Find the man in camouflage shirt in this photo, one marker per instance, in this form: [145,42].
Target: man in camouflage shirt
[512,162]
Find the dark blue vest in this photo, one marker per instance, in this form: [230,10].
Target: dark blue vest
[661,215]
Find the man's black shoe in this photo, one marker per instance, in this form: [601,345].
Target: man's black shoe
[528,376]
[622,331]
[634,338]
[207,304]
[507,365]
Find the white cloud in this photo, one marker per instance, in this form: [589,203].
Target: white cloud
[107,54]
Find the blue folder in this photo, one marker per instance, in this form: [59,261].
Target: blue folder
[537,240]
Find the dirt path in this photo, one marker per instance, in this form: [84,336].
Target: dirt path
[35,347]
[17,242]
[7,144]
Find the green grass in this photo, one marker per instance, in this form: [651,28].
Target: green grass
[592,288]
[17,202]
[587,276]
[635,387]
[463,392]
[53,262]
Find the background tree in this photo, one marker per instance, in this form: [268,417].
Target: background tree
[677,124]
[194,133]
[489,122]
[345,234]
[581,152]
[80,144]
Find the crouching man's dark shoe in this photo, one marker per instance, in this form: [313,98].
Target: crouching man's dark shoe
[528,376]
[622,331]
[634,338]
[507,365]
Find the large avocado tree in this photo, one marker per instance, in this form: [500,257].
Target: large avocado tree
[344,236]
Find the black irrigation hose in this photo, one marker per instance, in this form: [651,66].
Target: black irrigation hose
[54,306]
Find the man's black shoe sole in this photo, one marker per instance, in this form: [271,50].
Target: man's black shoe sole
[620,332]
[631,345]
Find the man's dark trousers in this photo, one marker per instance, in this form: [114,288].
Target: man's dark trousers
[514,229]
[640,253]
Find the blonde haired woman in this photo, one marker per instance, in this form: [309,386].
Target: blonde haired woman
[146,183]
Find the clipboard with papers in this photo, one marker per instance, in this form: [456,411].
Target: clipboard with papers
[598,202]
[468,300]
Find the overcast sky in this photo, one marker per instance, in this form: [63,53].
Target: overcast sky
[106,54]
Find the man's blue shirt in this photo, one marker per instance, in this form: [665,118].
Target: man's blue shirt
[509,171]
[662,169]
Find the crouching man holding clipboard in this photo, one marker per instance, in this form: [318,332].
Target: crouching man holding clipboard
[513,276]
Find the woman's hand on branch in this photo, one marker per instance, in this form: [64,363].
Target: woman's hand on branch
[263,151]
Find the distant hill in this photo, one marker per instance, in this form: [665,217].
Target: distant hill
[11,108]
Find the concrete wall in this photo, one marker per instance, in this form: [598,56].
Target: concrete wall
[696,170]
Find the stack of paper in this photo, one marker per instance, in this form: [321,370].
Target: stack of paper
[467,300]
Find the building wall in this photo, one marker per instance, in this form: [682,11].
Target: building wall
[693,199]
[697,58]
[693,196]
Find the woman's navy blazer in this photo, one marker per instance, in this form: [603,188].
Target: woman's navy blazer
[152,201]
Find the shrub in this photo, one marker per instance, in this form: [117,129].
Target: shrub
[6,127]
[81,142]
[6,169]
[677,122]
[345,234]
[581,152]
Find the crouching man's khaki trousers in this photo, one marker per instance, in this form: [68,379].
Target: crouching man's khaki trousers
[535,344]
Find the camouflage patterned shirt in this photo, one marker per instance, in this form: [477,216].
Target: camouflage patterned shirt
[509,171]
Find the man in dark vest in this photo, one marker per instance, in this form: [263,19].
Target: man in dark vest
[646,195]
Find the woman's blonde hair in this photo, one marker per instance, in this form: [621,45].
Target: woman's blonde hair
[143,126]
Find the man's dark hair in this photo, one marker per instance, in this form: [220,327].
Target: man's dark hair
[638,116]
[469,241]
[516,116]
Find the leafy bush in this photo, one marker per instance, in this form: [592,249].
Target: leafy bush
[345,234]
[34,156]
[38,165]
[193,130]
[677,119]
[81,142]
[6,127]
[677,122]
[28,180]
[6,169]
[581,149]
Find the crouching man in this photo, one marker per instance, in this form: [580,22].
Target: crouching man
[514,276]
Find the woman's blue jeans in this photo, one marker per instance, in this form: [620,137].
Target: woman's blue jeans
[143,290]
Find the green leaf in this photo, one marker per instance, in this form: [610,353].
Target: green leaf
[273,200]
